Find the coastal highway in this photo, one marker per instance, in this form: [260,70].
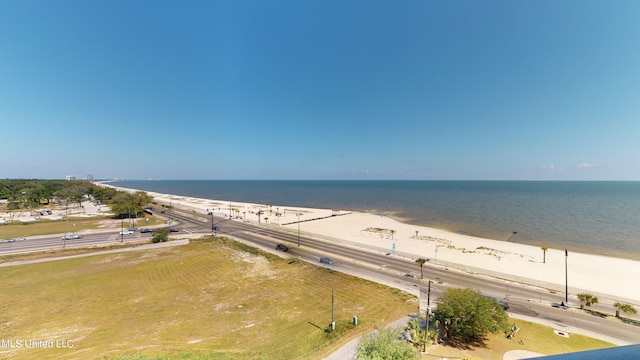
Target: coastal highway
[385,268]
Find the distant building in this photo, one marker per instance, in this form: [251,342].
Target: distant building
[70,177]
[90,177]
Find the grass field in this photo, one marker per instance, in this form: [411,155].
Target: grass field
[213,298]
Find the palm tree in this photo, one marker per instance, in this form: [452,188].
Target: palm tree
[443,323]
[421,261]
[626,308]
[588,299]
[416,332]
[544,254]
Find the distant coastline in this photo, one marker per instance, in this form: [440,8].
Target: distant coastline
[585,216]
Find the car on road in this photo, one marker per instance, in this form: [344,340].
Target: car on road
[504,304]
[134,229]
[282,247]
[326,260]
[126,232]
[172,229]
[145,230]
[560,306]
[71,237]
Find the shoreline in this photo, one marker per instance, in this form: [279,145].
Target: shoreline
[581,248]
[603,276]
[545,222]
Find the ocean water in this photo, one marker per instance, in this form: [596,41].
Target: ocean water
[595,217]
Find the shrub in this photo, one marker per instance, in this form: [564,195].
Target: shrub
[160,235]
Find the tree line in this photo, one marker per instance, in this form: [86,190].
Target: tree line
[26,194]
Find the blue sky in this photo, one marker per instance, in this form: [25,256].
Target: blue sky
[477,90]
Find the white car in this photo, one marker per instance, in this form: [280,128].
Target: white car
[71,237]
[126,232]
[14,239]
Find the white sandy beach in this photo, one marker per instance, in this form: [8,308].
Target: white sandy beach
[607,277]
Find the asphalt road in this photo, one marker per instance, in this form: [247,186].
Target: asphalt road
[386,268]
[46,243]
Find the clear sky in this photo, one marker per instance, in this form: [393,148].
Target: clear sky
[356,89]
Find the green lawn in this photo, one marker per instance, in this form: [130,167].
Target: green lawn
[208,299]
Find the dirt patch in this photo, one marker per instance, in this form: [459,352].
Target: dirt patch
[258,265]
[109,224]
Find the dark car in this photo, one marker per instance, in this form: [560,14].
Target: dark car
[282,247]
[172,229]
[326,260]
[560,306]
[144,230]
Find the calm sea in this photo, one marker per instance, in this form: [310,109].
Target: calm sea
[594,217]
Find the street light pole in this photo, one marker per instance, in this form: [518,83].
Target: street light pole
[426,327]
[298,229]
[66,230]
[566,277]
[333,322]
